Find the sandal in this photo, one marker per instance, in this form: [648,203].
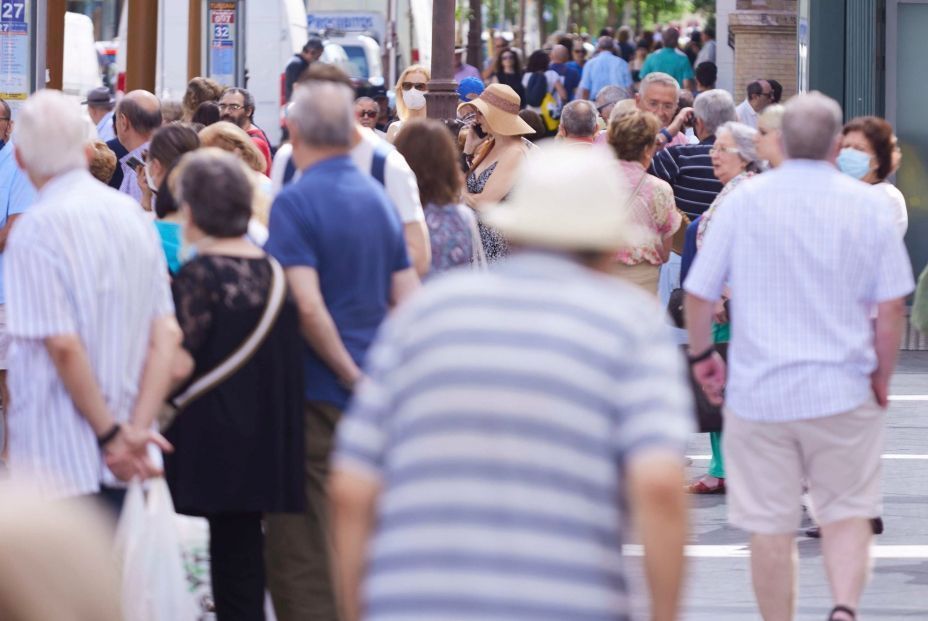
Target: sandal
[700,487]
[840,608]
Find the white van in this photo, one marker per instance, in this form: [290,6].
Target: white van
[81,67]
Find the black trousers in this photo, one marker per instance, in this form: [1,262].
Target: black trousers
[236,549]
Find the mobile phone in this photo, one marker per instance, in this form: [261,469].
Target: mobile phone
[134,162]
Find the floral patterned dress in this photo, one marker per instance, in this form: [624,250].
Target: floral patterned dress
[454,238]
[652,207]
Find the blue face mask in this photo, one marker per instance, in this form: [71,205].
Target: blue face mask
[854,162]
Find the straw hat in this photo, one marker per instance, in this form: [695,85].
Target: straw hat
[499,105]
[567,198]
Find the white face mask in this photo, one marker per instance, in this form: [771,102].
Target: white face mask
[414,99]
[151,182]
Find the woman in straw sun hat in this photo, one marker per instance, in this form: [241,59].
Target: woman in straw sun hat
[495,116]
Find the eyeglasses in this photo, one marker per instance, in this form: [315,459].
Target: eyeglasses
[370,114]
[232,107]
[419,86]
[717,149]
[4,118]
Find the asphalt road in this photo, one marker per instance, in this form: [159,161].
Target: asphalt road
[718,584]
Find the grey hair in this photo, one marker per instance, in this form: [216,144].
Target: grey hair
[578,118]
[659,77]
[772,117]
[323,114]
[811,124]
[714,108]
[609,95]
[743,135]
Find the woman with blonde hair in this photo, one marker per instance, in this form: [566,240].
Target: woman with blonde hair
[411,88]
[633,137]
[232,138]
[767,140]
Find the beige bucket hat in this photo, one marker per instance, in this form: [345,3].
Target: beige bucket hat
[499,105]
[567,198]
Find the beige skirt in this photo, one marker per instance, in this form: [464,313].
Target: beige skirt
[644,275]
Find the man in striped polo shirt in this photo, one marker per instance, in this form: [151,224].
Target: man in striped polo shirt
[688,168]
[509,421]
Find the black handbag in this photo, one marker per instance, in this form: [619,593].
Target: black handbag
[708,416]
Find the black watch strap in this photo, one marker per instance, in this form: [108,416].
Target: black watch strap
[703,356]
[109,436]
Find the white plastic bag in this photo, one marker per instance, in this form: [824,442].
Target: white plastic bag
[154,586]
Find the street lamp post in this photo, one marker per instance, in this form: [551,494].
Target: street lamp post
[442,97]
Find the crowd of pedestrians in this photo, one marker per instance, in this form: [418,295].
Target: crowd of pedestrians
[256,329]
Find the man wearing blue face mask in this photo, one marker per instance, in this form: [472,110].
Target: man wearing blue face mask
[867,153]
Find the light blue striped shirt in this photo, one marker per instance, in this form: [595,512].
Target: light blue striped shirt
[807,251]
[500,414]
[83,260]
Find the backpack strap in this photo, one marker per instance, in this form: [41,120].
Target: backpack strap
[289,170]
[242,354]
[379,163]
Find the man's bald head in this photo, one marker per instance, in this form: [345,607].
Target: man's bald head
[142,112]
[560,54]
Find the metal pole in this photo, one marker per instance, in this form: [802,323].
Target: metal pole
[442,97]
[141,41]
[194,39]
[40,17]
[54,44]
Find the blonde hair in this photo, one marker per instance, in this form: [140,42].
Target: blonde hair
[401,110]
[232,138]
[631,134]
[772,117]
[103,162]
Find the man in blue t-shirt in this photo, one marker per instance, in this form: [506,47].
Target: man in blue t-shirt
[16,194]
[559,63]
[341,244]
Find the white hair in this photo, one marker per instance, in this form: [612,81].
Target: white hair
[811,124]
[658,77]
[578,119]
[743,135]
[714,108]
[51,134]
[323,114]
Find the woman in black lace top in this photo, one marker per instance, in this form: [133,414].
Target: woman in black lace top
[239,447]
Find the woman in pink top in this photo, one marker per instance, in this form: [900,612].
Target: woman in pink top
[633,138]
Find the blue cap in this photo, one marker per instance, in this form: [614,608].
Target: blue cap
[469,89]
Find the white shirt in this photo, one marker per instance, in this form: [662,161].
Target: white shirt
[746,114]
[83,260]
[807,252]
[897,204]
[399,180]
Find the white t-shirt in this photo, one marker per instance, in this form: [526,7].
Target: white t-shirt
[897,202]
[399,180]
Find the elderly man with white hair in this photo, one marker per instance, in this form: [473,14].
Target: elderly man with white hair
[688,167]
[90,316]
[341,243]
[808,254]
[659,94]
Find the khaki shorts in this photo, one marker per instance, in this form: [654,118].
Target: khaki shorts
[768,463]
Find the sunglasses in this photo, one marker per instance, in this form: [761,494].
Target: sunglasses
[371,114]
[419,86]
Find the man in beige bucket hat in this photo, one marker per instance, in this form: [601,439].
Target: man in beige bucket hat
[509,419]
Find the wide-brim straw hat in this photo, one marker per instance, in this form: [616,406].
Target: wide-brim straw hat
[499,105]
[567,197]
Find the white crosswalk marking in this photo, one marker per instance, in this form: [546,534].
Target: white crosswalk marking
[744,551]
